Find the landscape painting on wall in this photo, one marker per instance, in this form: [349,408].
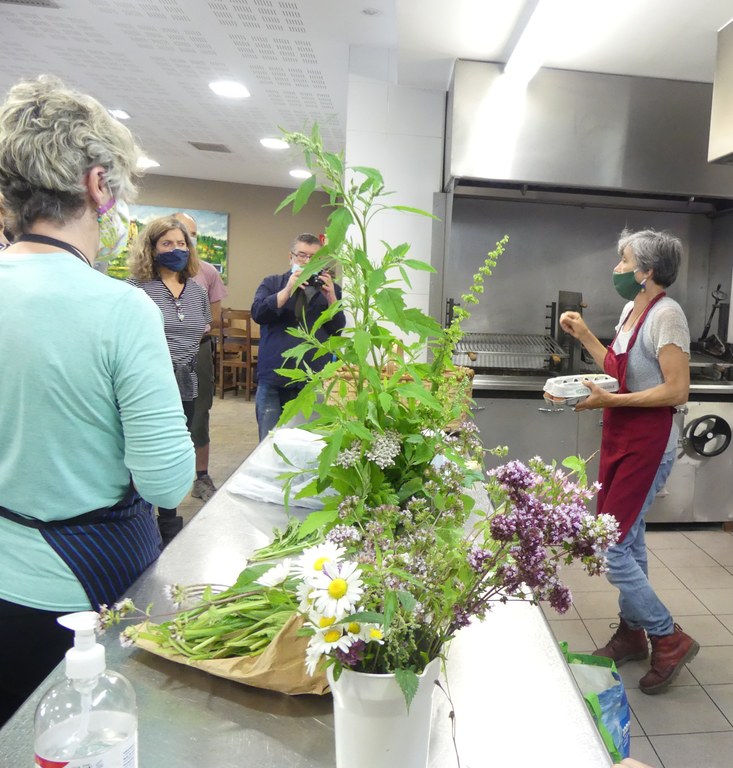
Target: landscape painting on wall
[211,245]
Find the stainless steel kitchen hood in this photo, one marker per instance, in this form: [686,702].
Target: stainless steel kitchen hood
[582,131]
[720,149]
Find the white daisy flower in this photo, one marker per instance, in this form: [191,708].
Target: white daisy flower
[320,622]
[312,659]
[303,593]
[311,562]
[372,633]
[277,574]
[354,628]
[328,640]
[337,590]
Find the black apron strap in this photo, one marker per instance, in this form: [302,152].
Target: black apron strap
[108,552]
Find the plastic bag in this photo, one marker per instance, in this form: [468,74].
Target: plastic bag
[605,695]
[260,477]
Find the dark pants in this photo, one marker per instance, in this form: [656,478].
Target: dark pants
[33,644]
[199,426]
[269,403]
[189,408]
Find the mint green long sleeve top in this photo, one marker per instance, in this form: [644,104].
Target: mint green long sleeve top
[88,401]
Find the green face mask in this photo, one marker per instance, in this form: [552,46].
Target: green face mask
[625,285]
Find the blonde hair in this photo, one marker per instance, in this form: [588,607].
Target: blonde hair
[141,260]
[50,137]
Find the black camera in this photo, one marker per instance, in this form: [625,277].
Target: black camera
[315,280]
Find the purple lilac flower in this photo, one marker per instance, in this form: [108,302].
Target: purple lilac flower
[347,506]
[508,576]
[461,617]
[560,598]
[374,529]
[344,534]
[480,560]
[353,656]
[503,527]
[514,476]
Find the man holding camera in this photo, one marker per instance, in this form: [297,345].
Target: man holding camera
[278,306]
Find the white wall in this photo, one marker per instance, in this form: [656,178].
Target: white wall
[399,131]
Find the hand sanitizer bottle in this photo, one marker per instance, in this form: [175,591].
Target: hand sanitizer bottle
[90,719]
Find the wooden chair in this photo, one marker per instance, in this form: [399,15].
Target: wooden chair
[236,356]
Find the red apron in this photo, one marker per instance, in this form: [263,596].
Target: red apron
[632,445]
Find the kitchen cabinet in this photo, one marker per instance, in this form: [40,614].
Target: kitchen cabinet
[527,426]
[698,489]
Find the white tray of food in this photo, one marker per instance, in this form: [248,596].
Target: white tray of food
[570,390]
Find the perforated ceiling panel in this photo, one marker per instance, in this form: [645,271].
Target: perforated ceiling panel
[155,58]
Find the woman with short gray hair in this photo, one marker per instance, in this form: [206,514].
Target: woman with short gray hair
[650,358]
[92,422]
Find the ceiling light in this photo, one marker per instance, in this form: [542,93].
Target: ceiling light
[143,163]
[274,143]
[120,114]
[300,173]
[229,89]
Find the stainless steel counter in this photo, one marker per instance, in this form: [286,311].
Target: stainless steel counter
[515,701]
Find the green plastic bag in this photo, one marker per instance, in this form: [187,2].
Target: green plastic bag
[605,696]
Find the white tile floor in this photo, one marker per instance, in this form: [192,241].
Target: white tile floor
[691,724]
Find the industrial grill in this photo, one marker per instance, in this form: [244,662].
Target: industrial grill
[503,352]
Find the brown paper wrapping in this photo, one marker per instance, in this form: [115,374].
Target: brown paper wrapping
[281,667]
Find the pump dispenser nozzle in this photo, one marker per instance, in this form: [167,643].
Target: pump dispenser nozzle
[86,659]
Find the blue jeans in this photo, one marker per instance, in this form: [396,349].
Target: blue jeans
[638,603]
[269,403]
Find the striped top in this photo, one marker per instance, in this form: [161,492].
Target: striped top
[185,319]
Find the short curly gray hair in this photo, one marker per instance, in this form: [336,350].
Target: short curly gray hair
[656,251]
[50,137]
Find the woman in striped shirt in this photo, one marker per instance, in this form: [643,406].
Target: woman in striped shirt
[162,263]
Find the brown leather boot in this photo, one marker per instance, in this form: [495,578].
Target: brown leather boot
[669,654]
[626,645]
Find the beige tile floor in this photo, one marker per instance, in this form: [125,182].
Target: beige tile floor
[691,724]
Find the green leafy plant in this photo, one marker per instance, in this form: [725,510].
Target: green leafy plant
[390,391]
[399,558]
[389,589]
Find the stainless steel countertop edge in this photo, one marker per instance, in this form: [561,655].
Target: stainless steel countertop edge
[536,384]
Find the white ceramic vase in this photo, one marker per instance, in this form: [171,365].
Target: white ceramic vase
[372,724]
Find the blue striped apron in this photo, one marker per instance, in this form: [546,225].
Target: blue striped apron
[106,549]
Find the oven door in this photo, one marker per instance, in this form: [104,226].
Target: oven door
[698,488]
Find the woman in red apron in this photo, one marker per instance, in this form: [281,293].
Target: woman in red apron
[649,357]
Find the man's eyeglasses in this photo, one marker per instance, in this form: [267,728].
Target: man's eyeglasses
[300,256]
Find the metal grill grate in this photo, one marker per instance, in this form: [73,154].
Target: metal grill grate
[507,350]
